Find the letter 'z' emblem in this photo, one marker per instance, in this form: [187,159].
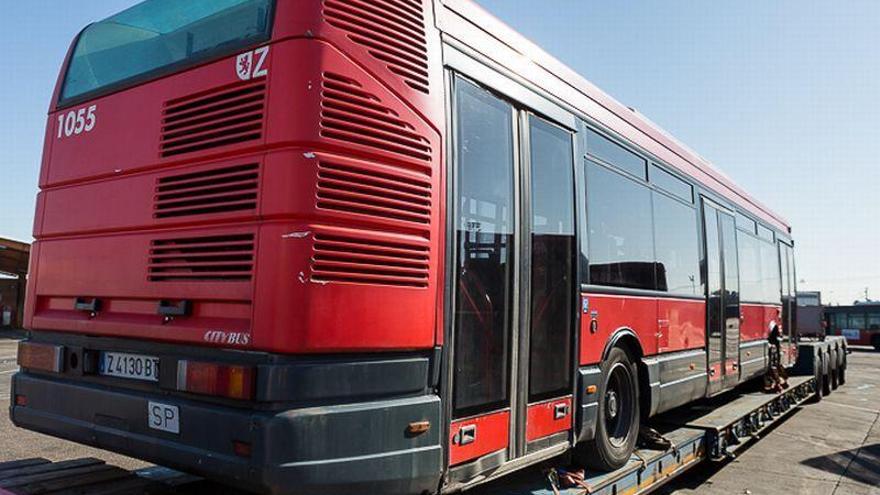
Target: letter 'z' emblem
[252,64]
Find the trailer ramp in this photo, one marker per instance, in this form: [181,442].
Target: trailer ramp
[91,476]
[79,476]
[713,429]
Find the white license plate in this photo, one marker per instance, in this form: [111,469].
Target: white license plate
[131,366]
[163,417]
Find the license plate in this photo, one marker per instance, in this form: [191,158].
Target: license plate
[163,417]
[131,366]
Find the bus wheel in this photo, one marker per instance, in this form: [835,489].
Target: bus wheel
[875,341]
[617,423]
[841,368]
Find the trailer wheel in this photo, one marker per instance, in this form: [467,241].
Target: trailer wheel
[826,375]
[617,423]
[818,376]
[835,378]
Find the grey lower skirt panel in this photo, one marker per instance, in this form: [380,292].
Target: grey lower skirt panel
[332,449]
[753,359]
[682,378]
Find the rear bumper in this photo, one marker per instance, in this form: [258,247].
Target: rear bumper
[329,449]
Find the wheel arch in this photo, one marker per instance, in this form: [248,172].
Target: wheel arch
[627,339]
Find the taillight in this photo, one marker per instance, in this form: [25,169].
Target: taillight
[43,357]
[221,380]
[241,449]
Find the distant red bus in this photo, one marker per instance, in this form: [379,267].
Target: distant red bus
[859,323]
[383,246]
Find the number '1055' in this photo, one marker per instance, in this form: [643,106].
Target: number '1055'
[77,121]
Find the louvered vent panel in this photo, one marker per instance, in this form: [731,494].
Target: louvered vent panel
[221,190]
[361,190]
[231,115]
[338,258]
[351,114]
[214,258]
[392,31]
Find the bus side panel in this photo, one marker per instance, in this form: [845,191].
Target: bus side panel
[613,313]
[682,324]
[753,322]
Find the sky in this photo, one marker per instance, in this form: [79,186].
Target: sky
[784,96]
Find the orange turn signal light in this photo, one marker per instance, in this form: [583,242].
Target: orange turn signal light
[591,389]
[418,427]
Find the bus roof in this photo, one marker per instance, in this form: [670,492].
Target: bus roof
[469,24]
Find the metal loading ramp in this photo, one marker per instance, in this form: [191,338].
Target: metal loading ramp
[86,476]
[712,429]
[731,426]
[89,476]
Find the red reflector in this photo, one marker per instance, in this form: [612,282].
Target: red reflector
[235,382]
[21,400]
[40,356]
[241,449]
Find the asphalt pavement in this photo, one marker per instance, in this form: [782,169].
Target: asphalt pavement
[829,448]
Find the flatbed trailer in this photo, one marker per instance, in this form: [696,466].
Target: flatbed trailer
[710,430]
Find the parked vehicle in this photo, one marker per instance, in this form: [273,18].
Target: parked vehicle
[380,247]
[811,315]
[859,323]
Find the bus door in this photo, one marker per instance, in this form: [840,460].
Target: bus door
[722,308]
[788,336]
[513,308]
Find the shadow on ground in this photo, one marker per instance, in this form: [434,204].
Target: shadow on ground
[861,465]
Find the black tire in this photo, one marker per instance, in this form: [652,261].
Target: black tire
[841,369]
[835,369]
[618,418]
[818,376]
[826,376]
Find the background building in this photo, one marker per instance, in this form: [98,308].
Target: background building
[14,258]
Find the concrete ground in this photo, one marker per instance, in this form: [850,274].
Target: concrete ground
[828,448]
[832,447]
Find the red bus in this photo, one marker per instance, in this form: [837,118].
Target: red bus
[859,323]
[386,246]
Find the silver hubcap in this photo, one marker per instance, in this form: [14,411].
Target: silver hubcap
[611,404]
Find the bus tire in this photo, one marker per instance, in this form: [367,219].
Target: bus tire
[841,369]
[618,418]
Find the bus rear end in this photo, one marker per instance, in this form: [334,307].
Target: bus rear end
[236,266]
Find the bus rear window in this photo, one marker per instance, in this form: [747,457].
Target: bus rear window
[161,35]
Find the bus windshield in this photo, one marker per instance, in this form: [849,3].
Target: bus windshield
[159,35]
